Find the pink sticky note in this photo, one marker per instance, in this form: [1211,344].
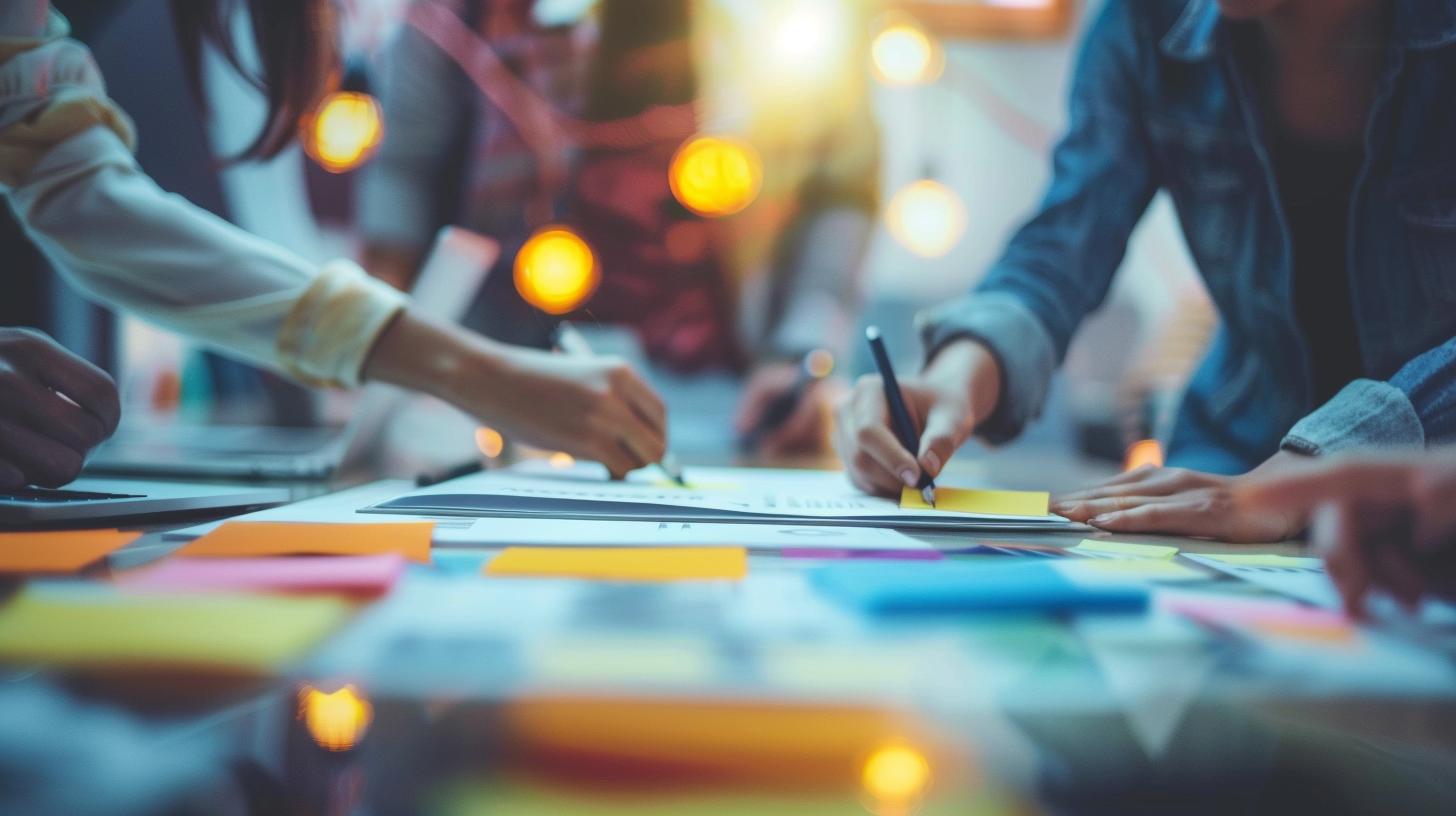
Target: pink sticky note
[352,575]
[1274,616]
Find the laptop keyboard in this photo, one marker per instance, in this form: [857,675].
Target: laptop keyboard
[42,495]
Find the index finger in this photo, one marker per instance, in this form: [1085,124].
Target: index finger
[79,381]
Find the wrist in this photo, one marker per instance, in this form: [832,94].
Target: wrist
[440,360]
[970,368]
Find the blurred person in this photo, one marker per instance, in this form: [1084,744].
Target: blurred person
[67,170]
[1380,522]
[575,120]
[1308,155]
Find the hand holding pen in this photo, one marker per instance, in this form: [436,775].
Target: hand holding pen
[946,402]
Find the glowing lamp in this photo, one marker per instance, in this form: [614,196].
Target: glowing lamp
[903,54]
[895,775]
[489,442]
[556,270]
[335,720]
[927,218]
[714,176]
[1143,452]
[344,131]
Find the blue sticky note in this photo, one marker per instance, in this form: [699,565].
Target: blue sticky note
[972,587]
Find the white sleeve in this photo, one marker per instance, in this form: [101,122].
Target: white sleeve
[121,238]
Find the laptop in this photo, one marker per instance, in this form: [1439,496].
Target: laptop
[89,499]
[455,270]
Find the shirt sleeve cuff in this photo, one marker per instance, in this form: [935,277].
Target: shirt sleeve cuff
[1366,413]
[330,331]
[1016,338]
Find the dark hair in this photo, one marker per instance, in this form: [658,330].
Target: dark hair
[296,55]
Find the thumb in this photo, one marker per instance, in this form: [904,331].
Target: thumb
[940,439]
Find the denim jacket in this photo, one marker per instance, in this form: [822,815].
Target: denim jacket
[1162,100]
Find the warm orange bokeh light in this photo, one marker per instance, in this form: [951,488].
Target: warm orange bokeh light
[927,218]
[903,54]
[1143,452]
[820,363]
[556,270]
[344,132]
[335,720]
[715,176]
[896,775]
[561,461]
[490,442]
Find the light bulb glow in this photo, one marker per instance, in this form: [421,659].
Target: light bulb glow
[561,460]
[335,720]
[927,218]
[895,775]
[344,132]
[556,270]
[903,54]
[489,442]
[715,176]
[1143,452]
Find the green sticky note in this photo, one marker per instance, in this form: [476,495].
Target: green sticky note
[1122,549]
[249,634]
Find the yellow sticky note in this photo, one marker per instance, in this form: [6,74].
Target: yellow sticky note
[252,634]
[1125,550]
[984,502]
[1265,560]
[622,563]
[66,551]
[244,539]
[1149,569]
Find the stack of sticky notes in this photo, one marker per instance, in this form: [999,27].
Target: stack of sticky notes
[621,563]
[95,626]
[58,552]
[357,575]
[250,539]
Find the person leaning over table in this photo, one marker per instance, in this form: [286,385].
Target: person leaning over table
[1381,522]
[67,170]
[1309,147]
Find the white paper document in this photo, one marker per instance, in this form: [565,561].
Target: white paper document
[732,495]
[343,508]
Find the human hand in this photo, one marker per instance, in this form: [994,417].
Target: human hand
[1380,523]
[1175,501]
[954,394]
[806,427]
[54,408]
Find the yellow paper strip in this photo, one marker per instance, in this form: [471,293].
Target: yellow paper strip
[252,634]
[245,539]
[1150,569]
[55,552]
[622,563]
[1126,550]
[1265,560]
[982,502]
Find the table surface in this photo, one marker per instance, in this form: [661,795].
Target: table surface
[1071,706]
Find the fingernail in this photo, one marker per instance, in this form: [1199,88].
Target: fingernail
[932,462]
[909,477]
[1105,518]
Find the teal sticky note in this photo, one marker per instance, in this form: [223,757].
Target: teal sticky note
[934,587]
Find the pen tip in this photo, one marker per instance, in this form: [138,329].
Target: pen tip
[928,494]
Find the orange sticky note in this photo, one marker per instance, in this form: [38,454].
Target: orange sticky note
[242,539]
[64,551]
[622,563]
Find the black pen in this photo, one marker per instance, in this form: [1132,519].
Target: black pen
[904,426]
[570,341]
[430,478]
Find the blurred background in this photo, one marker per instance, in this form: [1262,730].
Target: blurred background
[945,113]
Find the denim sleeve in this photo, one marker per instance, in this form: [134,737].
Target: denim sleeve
[1059,265]
[1416,407]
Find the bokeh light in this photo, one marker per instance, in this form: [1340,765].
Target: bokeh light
[335,720]
[819,363]
[561,460]
[344,132]
[556,271]
[896,775]
[902,53]
[1143,452]
[489,442]
[805,36]
[715,176]
[927,218]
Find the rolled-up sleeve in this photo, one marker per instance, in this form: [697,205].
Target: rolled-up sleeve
[1059,265]
[67,170]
